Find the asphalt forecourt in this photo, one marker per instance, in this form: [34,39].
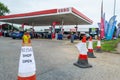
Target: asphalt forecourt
[54,60]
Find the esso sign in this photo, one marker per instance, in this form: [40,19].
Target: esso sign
[63,10]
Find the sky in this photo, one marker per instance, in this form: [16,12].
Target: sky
[90,8]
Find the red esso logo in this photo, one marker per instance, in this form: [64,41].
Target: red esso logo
[63,10]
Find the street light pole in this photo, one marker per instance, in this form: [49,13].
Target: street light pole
[114,7]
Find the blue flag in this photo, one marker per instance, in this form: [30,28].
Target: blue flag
[118,32]
[111,27]
[106,28]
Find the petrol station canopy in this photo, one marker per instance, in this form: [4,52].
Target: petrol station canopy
[65,16]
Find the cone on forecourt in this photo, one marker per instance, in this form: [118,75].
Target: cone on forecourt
[98,48]
[27,68]
[90,52]
[83,58]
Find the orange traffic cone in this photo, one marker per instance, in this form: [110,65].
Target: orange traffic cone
[98,48]
[83,58]
[27,68]
[90,49]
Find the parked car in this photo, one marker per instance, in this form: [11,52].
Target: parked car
[0,33]
[75,36]
[84,34]
[66,35]
[19,34]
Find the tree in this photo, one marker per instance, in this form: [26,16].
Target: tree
[3,9]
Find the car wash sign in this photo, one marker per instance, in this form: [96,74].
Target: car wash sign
[27,62]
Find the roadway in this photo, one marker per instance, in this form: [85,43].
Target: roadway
[54,61]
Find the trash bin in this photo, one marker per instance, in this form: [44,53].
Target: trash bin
[60,36]
[49,36]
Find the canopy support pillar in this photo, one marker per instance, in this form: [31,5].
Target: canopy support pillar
[53,30]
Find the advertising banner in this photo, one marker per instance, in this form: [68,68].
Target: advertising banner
[111,28]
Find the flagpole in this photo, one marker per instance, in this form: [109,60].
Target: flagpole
[114,7]
[102,23]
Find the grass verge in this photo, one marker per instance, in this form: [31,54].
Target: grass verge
[108,45]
